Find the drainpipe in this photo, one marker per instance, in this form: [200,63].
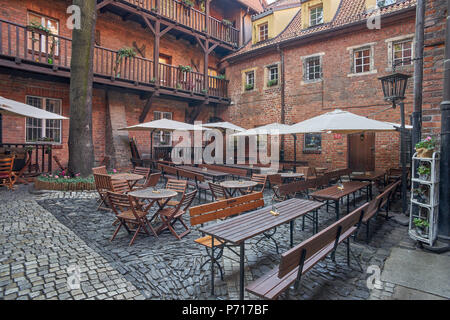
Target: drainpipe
[243,25]
[1,129]
[444,186]
[282,87]
[418,73]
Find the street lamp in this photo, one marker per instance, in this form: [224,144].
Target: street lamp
[394,87]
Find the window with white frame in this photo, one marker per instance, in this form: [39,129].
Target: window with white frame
[316,16]
[362,60]
[313,68]
[44,130]
[272,79]
[162,138]
[38,42]
[250,80]
[402,52]
[263,32]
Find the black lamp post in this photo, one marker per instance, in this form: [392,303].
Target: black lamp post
[394,87]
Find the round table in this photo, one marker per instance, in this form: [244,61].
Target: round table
[131,178]
[237,185]
[154,195]
[291,175]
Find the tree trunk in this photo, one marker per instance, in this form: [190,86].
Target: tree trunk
[81,149]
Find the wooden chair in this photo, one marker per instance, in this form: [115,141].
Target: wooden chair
[20,174]
[103,185]
[101,170]
[129,213]
[7,176]
[275,181]
[120,186]
[143,172]
[170,215]
[261,179]
[151,181]
[179,186]
[218,192]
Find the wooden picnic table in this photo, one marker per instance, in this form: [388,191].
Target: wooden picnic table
[214,174]
[371,177]
[237,185]
[154,195]
[246,226]
[333,193]
[291,175]
[251,169]
[131,178]
[321,170]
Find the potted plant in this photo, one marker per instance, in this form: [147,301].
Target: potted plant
[185,68]
[424,172]
[38,28]
[227,23]
[249,87]
[272,83]
[425,148]
[420,194]
[421,227]
[187,3]
[123,53]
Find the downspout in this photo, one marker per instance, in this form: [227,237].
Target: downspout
[444,186]
[243,24]
[418,73]
[283,106]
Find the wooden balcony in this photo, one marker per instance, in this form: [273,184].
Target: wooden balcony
[189,17]
[33,50]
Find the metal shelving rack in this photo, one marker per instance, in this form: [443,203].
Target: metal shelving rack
[426,208]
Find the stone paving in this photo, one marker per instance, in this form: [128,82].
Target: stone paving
[43,235]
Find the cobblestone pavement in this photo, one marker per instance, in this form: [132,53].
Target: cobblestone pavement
[42,235]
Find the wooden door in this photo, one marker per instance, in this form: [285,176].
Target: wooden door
[361,151]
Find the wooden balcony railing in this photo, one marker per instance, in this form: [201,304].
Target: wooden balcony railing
[40,153]
[36,47]
[190,17]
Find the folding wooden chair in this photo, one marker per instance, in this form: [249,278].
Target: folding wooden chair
[143,172]
[178,186]
[169,216]
[20,174]
[120,186]
[217,192]
[152,181]
[7,176]
[129,213]
[101,170]
[59,163]
[261,179]
[275,181]
[103,185]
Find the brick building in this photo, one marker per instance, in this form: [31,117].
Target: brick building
[328,55]
[176,72]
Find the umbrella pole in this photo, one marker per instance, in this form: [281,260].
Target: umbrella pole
[151,144]
[295,149]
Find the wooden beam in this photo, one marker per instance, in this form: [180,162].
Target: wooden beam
[103,4]
[147,107]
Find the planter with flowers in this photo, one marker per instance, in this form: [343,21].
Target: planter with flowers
[425,148]
[63,181]
[424,172]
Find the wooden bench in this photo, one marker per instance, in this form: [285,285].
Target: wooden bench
[220,210]
[301,258]
[195,180]
[168,172]
[234,172]
[377,204]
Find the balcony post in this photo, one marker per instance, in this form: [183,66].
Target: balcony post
[156,52]
[207,2]
[158,7]
[205,69]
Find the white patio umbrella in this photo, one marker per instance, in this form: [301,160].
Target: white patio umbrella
[224,125]
[273,128]
[162,124]
[15,108]
[339,121]
[398,125]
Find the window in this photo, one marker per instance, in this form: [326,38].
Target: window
[35,38]
[313,142]
[316,16]
[41,130]
[249,80]
[264,32]
[385,3]
[313,69]
[272,76]
[362,60]
[402,52]
[162,138]
[212,82]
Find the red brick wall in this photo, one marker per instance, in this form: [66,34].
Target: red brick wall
[360,94]
[433,74]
